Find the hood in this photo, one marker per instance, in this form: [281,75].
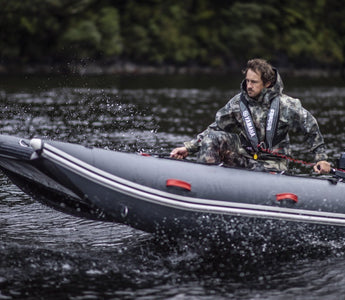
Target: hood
[267,94]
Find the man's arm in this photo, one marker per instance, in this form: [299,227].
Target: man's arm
[313,137]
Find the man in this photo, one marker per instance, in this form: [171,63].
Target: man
[252,129]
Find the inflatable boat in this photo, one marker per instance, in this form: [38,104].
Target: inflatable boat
[176,197]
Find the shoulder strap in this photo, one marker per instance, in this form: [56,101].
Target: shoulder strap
[271,123]
[248,123]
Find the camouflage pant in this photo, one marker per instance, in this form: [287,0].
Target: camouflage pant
[222,147]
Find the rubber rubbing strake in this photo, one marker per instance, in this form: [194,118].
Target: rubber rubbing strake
[287,196]
[179,183]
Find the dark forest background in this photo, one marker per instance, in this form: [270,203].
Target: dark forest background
[217,34]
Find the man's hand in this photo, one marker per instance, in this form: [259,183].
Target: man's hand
[179,153]
[322,167]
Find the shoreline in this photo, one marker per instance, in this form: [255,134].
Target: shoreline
[129,68]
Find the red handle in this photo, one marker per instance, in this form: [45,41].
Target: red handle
[179,183]
[284,196]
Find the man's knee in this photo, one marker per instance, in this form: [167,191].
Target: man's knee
[218,146]
[220,137]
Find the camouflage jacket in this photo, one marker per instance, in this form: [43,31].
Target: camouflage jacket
[292,118]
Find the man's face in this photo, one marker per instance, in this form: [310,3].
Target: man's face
[254,84]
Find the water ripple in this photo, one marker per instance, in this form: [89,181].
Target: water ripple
[47,254]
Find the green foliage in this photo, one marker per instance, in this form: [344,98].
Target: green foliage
[26,33]
[212,33]
[158,34]
[109,27]
[91,34]
[84,36]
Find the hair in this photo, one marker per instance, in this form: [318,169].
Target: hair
[263,67]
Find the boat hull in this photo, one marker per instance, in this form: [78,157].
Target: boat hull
[172,197]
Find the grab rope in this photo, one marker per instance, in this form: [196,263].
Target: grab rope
[289,158]
[283,156]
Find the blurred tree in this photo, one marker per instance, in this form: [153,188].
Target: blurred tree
[212,33]
[24,27]
[310,33]
[92,33]
[81,39]
[108,23]
[251,30]
[158,31]
[334,33]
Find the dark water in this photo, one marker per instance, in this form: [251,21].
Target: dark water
[45,254]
